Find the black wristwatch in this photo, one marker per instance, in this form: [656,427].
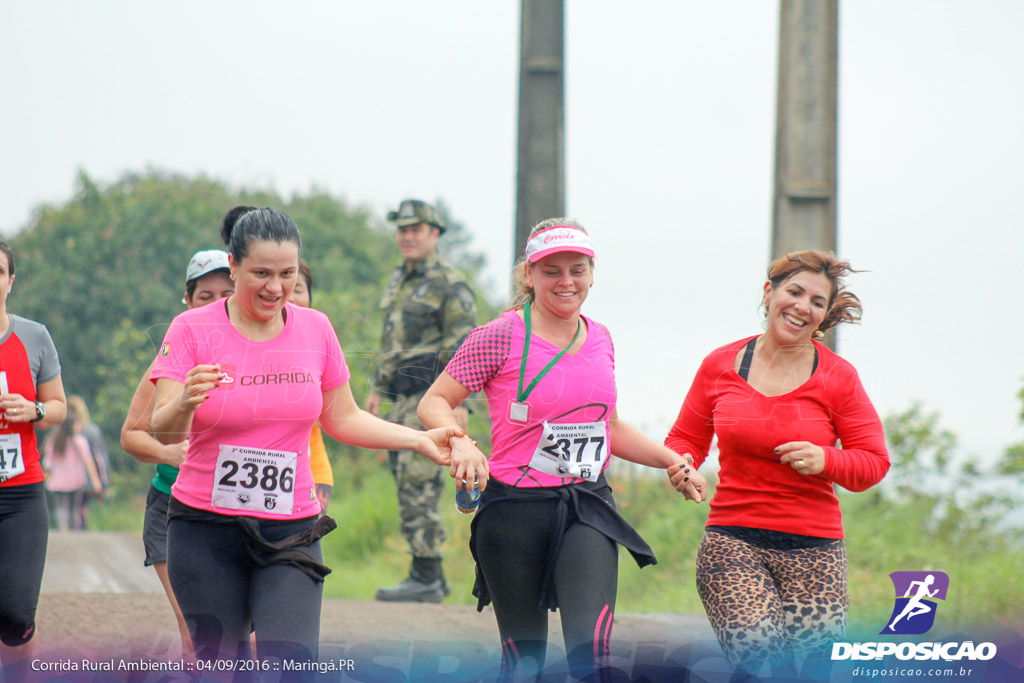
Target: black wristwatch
[40,411]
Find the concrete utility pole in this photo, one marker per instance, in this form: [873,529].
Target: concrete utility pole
[540,179]
[804,214]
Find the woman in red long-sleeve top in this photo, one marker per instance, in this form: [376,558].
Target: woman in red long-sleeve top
[792,420]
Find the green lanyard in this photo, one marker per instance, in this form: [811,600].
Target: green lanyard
[521,395]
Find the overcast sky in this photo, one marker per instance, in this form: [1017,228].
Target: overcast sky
[670,116]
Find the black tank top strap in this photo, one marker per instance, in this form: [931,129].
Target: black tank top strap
[748,359]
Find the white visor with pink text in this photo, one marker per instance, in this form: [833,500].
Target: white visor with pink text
[556,239]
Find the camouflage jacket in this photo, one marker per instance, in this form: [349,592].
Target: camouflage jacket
[428,312]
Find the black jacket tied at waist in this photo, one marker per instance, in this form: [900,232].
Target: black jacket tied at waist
[262,551]
[286,551]
[589,503]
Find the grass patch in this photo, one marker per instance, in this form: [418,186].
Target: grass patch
[125,506]
[367,552]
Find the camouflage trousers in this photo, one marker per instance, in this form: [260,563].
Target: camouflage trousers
[420,485]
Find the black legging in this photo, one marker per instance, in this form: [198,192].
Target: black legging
[224,594]
[24,525]
[512,539]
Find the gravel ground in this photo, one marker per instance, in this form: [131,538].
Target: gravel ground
[101,606]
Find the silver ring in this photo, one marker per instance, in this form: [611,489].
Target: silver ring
[14,411]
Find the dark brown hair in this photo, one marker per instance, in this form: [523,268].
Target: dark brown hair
[6,248]
[307,274]
[63,434]
[843,306]
[243,225]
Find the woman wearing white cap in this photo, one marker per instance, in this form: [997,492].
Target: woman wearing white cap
[546,533]
[207,279]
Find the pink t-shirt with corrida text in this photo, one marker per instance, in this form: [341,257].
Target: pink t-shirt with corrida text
[248,447]
[580,388]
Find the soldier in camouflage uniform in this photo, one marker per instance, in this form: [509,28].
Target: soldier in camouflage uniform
[428,311]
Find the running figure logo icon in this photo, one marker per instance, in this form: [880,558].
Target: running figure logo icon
[916,594]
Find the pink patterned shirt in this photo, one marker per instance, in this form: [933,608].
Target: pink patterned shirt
[580,388]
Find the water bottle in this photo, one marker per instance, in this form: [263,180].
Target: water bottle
[467,500]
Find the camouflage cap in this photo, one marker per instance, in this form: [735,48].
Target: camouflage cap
[413,211]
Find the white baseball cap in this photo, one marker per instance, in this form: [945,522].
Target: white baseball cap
[205,262]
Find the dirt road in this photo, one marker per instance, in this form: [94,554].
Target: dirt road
[100,605]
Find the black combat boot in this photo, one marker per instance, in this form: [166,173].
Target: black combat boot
[426,583]
[444,581]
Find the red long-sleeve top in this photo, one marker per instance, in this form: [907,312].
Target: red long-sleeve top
[755,489]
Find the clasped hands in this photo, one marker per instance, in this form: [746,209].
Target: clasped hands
[687,480]
[441,443]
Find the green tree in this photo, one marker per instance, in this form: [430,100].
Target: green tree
[455,246]
[1012,461]
[954,493]
[105,273]
[918,447]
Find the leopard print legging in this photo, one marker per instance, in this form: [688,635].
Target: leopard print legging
[772,607]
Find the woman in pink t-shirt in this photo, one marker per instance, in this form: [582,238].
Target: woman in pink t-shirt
[771,568]
[546,532]
[244,380]
[70,471]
